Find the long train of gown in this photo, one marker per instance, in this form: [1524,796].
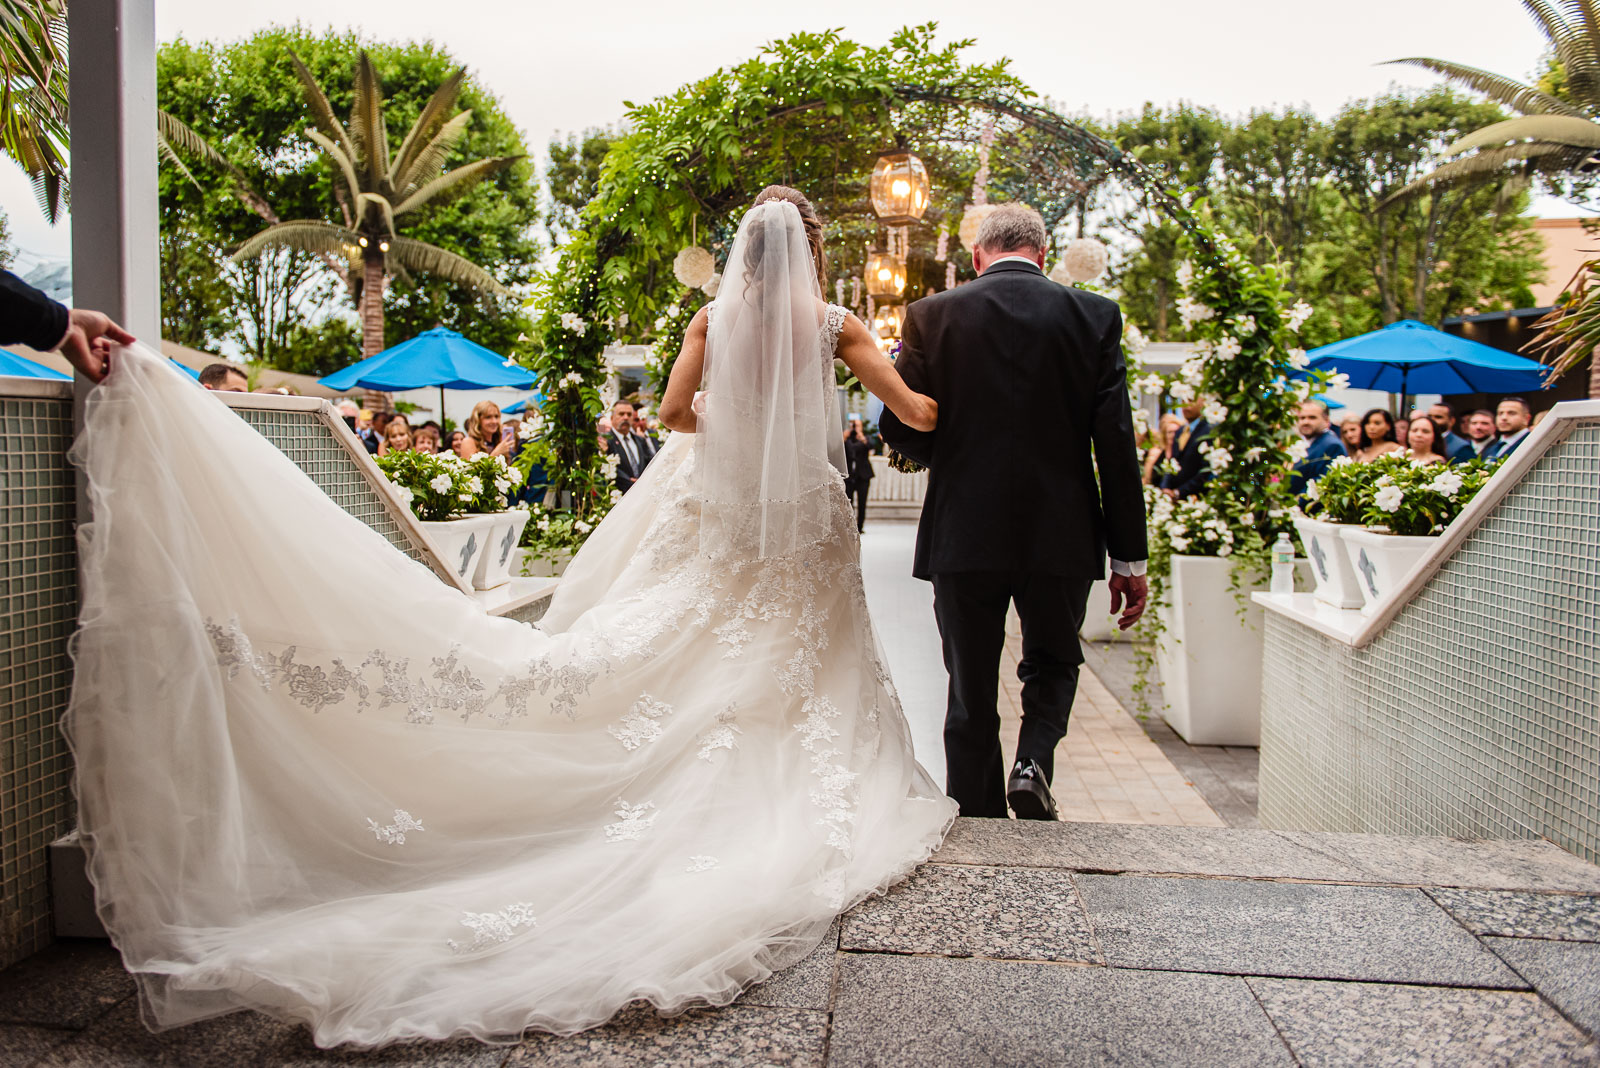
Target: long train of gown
[316,782]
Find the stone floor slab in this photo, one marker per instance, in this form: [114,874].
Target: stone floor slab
[1458,862]
[22,1046]
[1365,1024]
[70,984]
[984,841]
[1568,917]
[1224,851]
[805,985]
[465,1053]
[120,1040]
[736,1036]
[964,911]
[930,1011]
[1566,973]
[1301,930]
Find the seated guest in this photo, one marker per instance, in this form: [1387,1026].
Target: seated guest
[1445,416]
[1158,446]
[372,433]
[350,413]
[1377,436]
[426,439]
[224,378]
[457,443]
[1192,473]
[1322,445]
[1402,427]
[1350,432]
[484,432]
[1425,441]
[396,436]
[1479,426]
[1512,418]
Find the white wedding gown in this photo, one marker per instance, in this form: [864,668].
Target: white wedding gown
[316,782]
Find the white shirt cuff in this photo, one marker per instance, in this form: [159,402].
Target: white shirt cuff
[1123,567]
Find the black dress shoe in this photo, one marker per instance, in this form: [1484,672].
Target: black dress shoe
[1028,792]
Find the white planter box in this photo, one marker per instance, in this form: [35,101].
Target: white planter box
[1098,624]
[1382,561]
[530,566]
[494,563]
[460,542]
[1210,654]
[1330,563]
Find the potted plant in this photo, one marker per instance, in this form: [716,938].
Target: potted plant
[1335,502]
[492,482]
[436,488]
[1409,505]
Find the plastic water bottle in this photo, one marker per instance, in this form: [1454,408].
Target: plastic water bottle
[1283,565]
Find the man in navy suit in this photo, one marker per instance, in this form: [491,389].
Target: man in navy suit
[1192,473]
[1443,415]
[1479,426]
[1322,445]
[1511,418]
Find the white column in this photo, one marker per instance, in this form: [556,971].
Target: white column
[115,210]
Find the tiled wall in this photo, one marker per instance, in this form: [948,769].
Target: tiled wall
[38,609]
[1477,711]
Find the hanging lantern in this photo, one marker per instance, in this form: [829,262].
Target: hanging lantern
[901,191]
[889,320]
[886,275]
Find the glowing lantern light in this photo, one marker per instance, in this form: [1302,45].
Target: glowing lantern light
[901,191]
[886,275]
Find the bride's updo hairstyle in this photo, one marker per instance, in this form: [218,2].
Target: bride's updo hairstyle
[808,218]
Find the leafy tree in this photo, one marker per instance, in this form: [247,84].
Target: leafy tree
[33,109]
[573,178]
[246,99]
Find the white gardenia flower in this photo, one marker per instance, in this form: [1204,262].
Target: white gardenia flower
[1151,384]
[573,322]
[1298,359]
[440,483]
[1185,274]
[1302,391]
[474,485]
[1179,544]
[1298,315]
[1314,491]
[1215,412]
[501,485]
[405,494]
[1389,497]
[515,475]
[1298,449]
[1339,381]
[1447,483]
[464,497]
[1245,325]
[1134,339]
[1341,461]
[582,527]
[1254,452]
[1182,392]
[1219,458]
[1192,311]
[611,463]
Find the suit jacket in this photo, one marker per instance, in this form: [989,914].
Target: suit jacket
[1192,473]
[1453,443]
[627,471]
[1467,452]
[1504,447]
[1006,491]
[1321,451]
[28,317]
[857,462]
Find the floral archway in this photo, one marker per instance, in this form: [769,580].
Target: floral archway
[813,111]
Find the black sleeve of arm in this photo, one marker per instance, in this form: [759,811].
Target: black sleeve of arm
[913,444]
[1116,452]
[29,317]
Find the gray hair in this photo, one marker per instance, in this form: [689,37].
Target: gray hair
[1010,227]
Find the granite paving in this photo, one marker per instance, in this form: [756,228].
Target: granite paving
[1029,943]
[951,911]
[1246,927]
[1569,917]
[1365,1024]
[933,1011]
[1567,974]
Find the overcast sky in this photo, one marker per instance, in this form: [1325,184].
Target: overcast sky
[566,66]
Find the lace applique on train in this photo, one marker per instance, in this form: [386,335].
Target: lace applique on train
[395,833]
[493,928]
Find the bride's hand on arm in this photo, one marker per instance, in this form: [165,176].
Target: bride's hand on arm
[678,404]
[867,362]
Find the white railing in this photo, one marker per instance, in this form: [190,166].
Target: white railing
[896,487]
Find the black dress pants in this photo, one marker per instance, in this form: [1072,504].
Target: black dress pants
[970,607]
[858,492]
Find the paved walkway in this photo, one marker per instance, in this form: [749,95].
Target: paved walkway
[1107,768]
[1036,943]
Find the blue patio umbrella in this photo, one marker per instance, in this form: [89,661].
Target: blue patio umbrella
[1409,357]
[15,366]
[522,405]
[434,358]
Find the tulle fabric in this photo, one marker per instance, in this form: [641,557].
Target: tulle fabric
[316,782]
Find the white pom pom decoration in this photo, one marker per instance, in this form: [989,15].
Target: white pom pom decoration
[1058,273]
[970,221]
[1084,259]
[694,267]
[711,287]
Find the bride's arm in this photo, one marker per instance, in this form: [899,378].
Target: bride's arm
[860,353]
[677,406]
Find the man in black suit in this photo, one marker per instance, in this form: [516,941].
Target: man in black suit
[1192,473]
[30,318]
[1014,511]
[633,452]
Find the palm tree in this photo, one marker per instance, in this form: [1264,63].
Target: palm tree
[378,189]
[33,104]
[1552,135]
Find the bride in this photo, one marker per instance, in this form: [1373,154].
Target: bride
[436,823]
